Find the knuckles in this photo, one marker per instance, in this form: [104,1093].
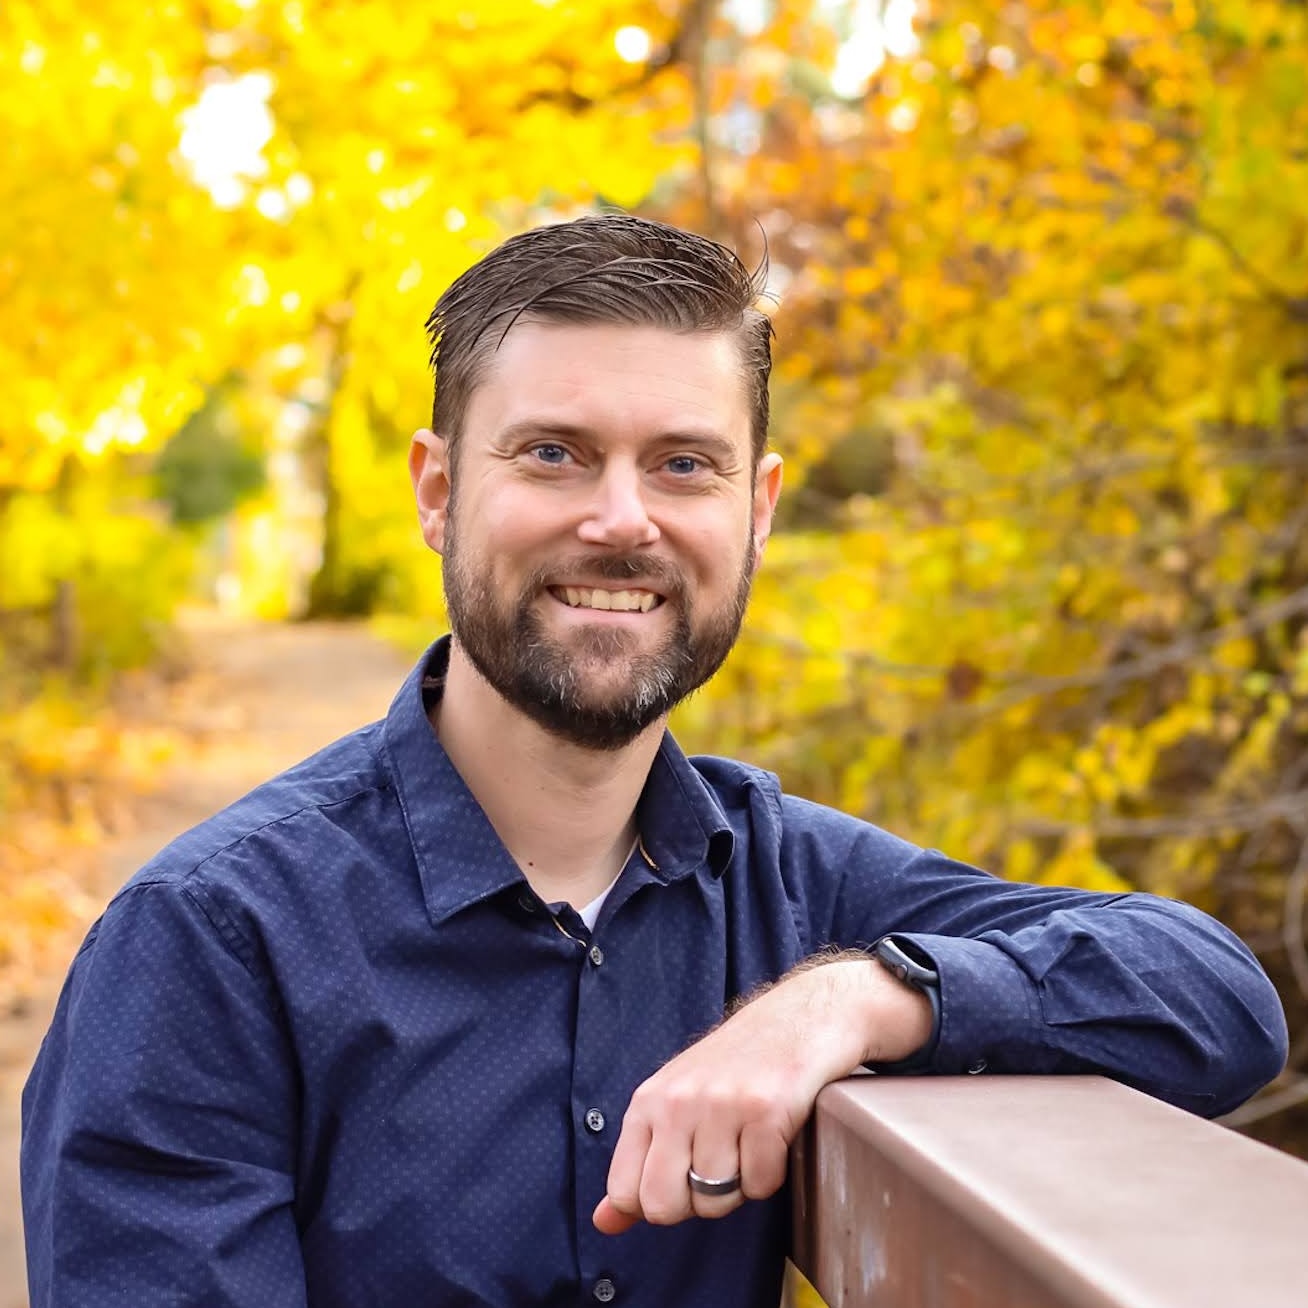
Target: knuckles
[673,1104]
[762,1183]
[707,1092]
[664,1214]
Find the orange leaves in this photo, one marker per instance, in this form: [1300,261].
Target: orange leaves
[65,770]
[41,912]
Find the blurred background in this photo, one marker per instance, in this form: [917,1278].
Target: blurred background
[1039,273]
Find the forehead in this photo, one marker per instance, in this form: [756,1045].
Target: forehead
[612,377]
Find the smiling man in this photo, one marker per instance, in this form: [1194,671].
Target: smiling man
[610,513]
[503,1000]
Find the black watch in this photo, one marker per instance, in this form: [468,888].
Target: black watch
[913,969]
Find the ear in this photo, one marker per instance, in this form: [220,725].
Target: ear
[767,487]
[429,472]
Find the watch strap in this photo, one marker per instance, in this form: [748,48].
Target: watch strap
[916,970]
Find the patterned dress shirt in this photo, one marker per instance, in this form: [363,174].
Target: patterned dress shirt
[328,1049]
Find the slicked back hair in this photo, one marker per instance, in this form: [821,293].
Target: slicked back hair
[609,268]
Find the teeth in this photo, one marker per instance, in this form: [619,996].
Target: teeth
[624,601]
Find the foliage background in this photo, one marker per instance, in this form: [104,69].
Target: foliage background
[1041,268]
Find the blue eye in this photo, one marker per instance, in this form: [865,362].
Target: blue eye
[550,454]
[684,464]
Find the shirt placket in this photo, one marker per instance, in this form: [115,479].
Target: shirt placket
[597,1104]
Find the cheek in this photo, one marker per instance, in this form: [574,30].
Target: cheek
[713,550]
[513,528]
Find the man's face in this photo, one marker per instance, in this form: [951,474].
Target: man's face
[604,525]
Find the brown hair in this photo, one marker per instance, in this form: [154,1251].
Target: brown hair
[608,268]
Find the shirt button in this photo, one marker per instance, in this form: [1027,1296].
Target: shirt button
[978,1066]
[605,1291]
[597,957]
[594,1120]
[527,902]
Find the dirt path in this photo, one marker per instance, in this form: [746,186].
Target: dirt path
[261,698]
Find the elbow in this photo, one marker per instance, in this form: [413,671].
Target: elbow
[1253,1051]
[1223,1044]
[1234,1024]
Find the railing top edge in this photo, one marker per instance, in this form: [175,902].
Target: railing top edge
[1084,1180]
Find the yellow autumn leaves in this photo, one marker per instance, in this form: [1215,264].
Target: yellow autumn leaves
[1042,378]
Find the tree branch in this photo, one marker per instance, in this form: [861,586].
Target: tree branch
[682,48]
[1016,690]
[1266,1105]
[695,30]
[1243,817]
[1296,893]
[1294,305]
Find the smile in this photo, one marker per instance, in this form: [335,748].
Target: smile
[617,601]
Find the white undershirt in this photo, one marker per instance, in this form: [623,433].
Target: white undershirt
[590,914]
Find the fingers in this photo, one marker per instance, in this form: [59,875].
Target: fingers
[687,1127]
[649,1173]
[664,1188]
[762,1155]
[716,1205]
[764,1160]
[626,1170]
[609,1220]
[649,1178]
[715,1156]
[664,1195]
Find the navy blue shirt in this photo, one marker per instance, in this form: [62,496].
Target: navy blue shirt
[329,1049]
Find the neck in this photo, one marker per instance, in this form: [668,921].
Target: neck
[566,814]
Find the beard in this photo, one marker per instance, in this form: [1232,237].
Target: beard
[547,678]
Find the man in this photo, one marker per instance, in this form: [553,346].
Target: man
[440,1017]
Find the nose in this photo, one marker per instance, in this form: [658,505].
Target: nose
[617,515]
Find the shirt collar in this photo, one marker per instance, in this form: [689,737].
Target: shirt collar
[460,857]
[682,826]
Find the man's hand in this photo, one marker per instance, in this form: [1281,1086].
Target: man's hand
[735,1100]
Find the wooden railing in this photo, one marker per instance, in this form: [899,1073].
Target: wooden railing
[1040,1192]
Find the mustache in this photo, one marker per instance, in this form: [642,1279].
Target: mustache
[659,573]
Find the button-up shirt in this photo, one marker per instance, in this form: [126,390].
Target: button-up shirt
[329,1048]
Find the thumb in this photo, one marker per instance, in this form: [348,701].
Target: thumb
[610,1220]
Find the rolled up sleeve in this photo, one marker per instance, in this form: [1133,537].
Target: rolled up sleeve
[1147,990]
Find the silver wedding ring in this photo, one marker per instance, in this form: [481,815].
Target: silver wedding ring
[704,1185]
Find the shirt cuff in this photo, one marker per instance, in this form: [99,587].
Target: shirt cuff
[921,1060]
[990,1016]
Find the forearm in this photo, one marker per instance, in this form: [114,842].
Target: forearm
[848,1011]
